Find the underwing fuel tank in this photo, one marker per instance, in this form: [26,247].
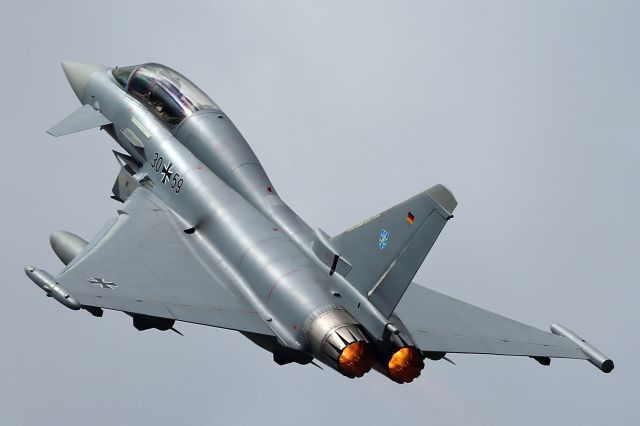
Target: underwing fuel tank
[45,281]
[66,245]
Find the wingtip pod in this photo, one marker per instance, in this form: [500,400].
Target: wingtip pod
[45,281]
[595,357]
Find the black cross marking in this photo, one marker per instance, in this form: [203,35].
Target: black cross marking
[101,282]
[166,172]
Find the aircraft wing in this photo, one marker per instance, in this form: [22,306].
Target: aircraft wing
[143,263]
[439,323]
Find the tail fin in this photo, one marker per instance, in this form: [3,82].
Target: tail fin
[387,250]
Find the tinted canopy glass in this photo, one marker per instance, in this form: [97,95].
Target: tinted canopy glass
[168,94]
[122,74]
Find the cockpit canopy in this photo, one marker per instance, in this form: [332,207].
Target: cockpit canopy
[168,94]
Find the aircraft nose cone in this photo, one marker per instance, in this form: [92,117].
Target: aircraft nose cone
[78,74]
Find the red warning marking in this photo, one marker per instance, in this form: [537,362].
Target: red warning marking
[278,282]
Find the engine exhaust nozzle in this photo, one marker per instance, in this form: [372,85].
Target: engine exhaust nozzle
[405,364]
[399,358]
[338,341]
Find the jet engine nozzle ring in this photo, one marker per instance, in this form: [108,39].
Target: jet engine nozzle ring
[338,341]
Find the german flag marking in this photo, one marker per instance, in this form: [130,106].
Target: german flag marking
[410,218]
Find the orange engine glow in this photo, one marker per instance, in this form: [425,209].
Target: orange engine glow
[355,360]
[406,364]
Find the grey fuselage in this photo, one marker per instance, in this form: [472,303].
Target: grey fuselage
[238,217]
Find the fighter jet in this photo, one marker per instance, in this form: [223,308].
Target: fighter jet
[204,237]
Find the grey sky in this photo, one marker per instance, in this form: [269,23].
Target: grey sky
[528,111]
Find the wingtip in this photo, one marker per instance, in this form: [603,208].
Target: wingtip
[443,196]
[607,366]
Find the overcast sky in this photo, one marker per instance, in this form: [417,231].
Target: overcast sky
[528,111]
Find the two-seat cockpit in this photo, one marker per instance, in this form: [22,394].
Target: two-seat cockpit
[166,93]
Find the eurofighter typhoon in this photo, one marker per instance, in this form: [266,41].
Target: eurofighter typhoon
[204,237]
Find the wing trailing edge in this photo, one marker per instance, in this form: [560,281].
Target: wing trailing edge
[441,324]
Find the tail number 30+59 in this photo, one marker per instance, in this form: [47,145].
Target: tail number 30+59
[167,175]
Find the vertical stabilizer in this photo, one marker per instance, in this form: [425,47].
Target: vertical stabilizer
[387,250]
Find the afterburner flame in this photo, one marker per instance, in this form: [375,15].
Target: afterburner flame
[355,360]
[406,365]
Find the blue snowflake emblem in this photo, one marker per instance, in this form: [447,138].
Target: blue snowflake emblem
[384,238]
